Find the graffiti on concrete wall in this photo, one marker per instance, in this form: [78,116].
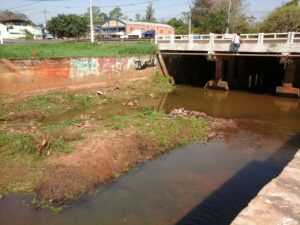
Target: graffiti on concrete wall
[34,74]
[84,68]
[145,62]
[121,65]
[113,65]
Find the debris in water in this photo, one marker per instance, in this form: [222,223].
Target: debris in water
[100,93]
[188,113]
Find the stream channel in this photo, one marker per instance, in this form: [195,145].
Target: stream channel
[201,183]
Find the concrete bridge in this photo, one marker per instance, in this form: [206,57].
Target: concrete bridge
[217,47]
[283,43]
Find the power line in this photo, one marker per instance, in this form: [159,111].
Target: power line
[34,2]
[132,4]
[112,6]
[158,8]
[21,6]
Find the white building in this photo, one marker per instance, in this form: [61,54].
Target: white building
[18,30]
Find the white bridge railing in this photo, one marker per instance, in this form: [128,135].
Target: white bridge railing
[260,38]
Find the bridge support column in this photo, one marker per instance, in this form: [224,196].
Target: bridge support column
[289,77]
[218,83]
[230,70]
[290,72]
[219,68]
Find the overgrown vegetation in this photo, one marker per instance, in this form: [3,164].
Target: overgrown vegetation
[82,49]
[46,205]
[27,142]
[283,19]
[210,16]
[17,144]
[159,129]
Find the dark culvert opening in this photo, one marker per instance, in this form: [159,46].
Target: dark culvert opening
[297,73]
[190,70]
[257,74]
[253,73]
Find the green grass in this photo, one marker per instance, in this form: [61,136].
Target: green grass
[20,140]
[61,145]
[61,124]
[17,143]
[45,103]
[159,129]
[75,50]
[50,103]
[161,85]
[83,99]
[46,205]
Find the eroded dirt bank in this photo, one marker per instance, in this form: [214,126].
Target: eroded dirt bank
[103,156]
[61,145]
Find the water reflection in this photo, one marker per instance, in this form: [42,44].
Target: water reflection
[278,110]
[200,182]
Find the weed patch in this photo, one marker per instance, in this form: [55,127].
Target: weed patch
[45,103]
[156,127]
[17,143]
[46,205]
[83,99]
[60,145]
[80,49]
[161,85]
[62,124]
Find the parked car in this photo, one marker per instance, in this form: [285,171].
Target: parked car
[135,34]
[48,36]
[149,34]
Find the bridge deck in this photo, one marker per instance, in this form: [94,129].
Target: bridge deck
[227,54]
[256,43]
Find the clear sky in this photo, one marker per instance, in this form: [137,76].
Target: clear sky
[164,9]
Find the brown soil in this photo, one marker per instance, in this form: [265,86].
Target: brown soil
[24,116]
[97,160]
[100,158]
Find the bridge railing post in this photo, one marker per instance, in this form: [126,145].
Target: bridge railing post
[172,39]
[211,38]
[291,36]
[156,39]
[190,39]
[260,38]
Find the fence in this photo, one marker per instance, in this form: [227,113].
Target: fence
[260,38]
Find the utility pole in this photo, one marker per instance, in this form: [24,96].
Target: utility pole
[190,22]
[91,22]
[190,19]
[228,16]
[45,13]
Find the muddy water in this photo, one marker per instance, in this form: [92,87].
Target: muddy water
[196,184]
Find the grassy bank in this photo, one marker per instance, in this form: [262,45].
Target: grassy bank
[42,135]
[75,50]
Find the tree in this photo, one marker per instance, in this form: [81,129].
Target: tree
[70,26]
[116,13]
[98,16]
[180,26]
[149,17]
[283,19]
[211,16]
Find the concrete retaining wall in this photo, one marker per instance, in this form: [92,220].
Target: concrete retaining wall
[278,203]
[38,74]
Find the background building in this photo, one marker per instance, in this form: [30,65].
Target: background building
[15,29]
[115,26]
